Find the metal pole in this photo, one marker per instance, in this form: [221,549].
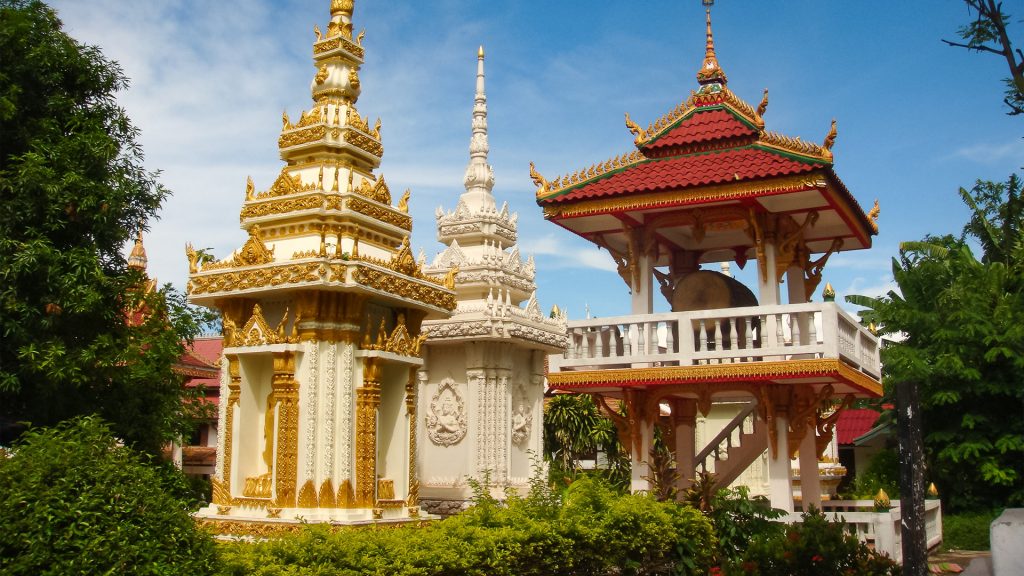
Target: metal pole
[911,451]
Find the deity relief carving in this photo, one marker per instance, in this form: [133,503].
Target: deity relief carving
[522,419]
[446,421]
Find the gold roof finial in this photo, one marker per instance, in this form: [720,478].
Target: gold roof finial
[342,7]
[710,72]
[137,259]
[480,52]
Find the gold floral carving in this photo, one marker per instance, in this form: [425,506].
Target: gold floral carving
[403,221]
[338,42]
[281,207]
[302,136]
[286,184]
[326,497]
[363,142]
[321,74]
[346,496]
[308,496]
[795,145]
[595,171]
[745,371]
[378,190]
[410,409]
[254,252]
[257,278]
[367,402]
[399,341]
[404,288]
[257,332]
[712,194]
[286,394]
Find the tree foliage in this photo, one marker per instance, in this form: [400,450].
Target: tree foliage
[73,191]
[958,328]
[988,33]
[75,501]
[574,430]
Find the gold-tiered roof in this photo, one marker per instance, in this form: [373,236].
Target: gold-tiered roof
[327,220]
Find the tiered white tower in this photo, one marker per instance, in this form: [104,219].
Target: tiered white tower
[482,385]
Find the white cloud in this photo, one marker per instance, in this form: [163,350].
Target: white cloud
[986,153]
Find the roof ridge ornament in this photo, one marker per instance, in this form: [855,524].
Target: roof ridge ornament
[710,76]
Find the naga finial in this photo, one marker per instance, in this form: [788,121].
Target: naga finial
[538,180]
[830,138]
[635,128]
[763,106]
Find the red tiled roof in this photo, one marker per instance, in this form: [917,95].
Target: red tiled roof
[208,349]
[731,165]
[703,126]
[854,423]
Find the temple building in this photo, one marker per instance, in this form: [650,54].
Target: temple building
[707,184]
[322,310]
[482,384]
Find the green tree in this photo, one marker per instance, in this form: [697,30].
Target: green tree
[574,429]
[957,324]
[73,191]
[987,33]
[75,501]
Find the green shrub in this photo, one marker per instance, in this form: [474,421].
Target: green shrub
[74,501]
[738,519]
[968,531]
[812,547]
[591,530]
[881,473]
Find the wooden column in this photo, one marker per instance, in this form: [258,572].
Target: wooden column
[684,420]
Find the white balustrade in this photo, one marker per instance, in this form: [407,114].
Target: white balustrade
[724,336]
[880,529]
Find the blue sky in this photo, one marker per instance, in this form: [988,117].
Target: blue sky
[916,119]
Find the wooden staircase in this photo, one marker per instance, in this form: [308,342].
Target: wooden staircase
[735,448]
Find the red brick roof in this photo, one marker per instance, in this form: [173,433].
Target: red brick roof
[854,423]
[718,167]
[702,126]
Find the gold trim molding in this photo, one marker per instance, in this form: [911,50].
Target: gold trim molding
[745,372]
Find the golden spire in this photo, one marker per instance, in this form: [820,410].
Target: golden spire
[710,72]
[480,52]
[137,259]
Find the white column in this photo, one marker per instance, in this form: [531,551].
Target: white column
[810,481]
[643,295]
[780,476]
[767,277]
[640,469]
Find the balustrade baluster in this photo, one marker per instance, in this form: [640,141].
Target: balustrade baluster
[794,329]
[627,344]
[670,338]
[599,337]
[812,330]
[719,328]
[703,334]
[652,333]
[749,340]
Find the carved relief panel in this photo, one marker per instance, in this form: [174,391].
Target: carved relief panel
[446,419]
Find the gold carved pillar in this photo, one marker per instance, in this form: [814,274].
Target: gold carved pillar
[222,493]
[410,408]
[285,397]
[367,402]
